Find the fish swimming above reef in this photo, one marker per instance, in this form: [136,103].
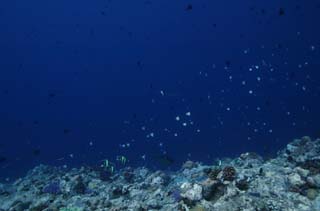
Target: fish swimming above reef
[164,160]
[36,152]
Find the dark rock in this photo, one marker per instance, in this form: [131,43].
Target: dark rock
[242,184]
[290,159]
[40,207]
[312,193]
[312,165]
[128,175]
[80,187]
[189,202]
[21,206]
[207,171]
[214,173]
[229,173]
[118,191]
[212,190]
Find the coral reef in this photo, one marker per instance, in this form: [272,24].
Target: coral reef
[288,182]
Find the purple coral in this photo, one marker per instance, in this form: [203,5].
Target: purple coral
[52,188]
[176,195]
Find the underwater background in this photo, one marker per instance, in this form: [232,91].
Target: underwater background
[159,82]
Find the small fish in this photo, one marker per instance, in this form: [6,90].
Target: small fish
[66,131]
[111,169]
[3,159]
[36,152]
[165,160]
[122,159]
[106,163]
[52,95]
[189,7]
[281,12]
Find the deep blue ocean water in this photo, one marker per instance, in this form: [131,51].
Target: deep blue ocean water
[159,82]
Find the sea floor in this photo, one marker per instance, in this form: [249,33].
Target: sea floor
[289,182]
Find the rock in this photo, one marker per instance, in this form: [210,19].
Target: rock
[193,192]
[213,173]
[198,208]
[208,189]
[189,165]
[212,190]
[79,187]
[312,193]
[21,206]
[295,180]
[39,207]
[118,191]
[316,204]
[302,172]
[228,174]
[157,181]
[128,175]
[305,139]
[313,165]
[311,182]
[242,184]
[153,204]
[316,179]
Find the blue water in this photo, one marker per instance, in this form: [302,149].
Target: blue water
[82,81]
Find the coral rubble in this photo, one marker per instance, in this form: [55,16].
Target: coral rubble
[289,182]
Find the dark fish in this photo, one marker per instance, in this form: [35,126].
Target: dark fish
[267,103]
[281,12]
[36,152]
[165,160]
[66,131]
[147,2]
[3,159]
[52,95]
[189,7]
[317,134]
